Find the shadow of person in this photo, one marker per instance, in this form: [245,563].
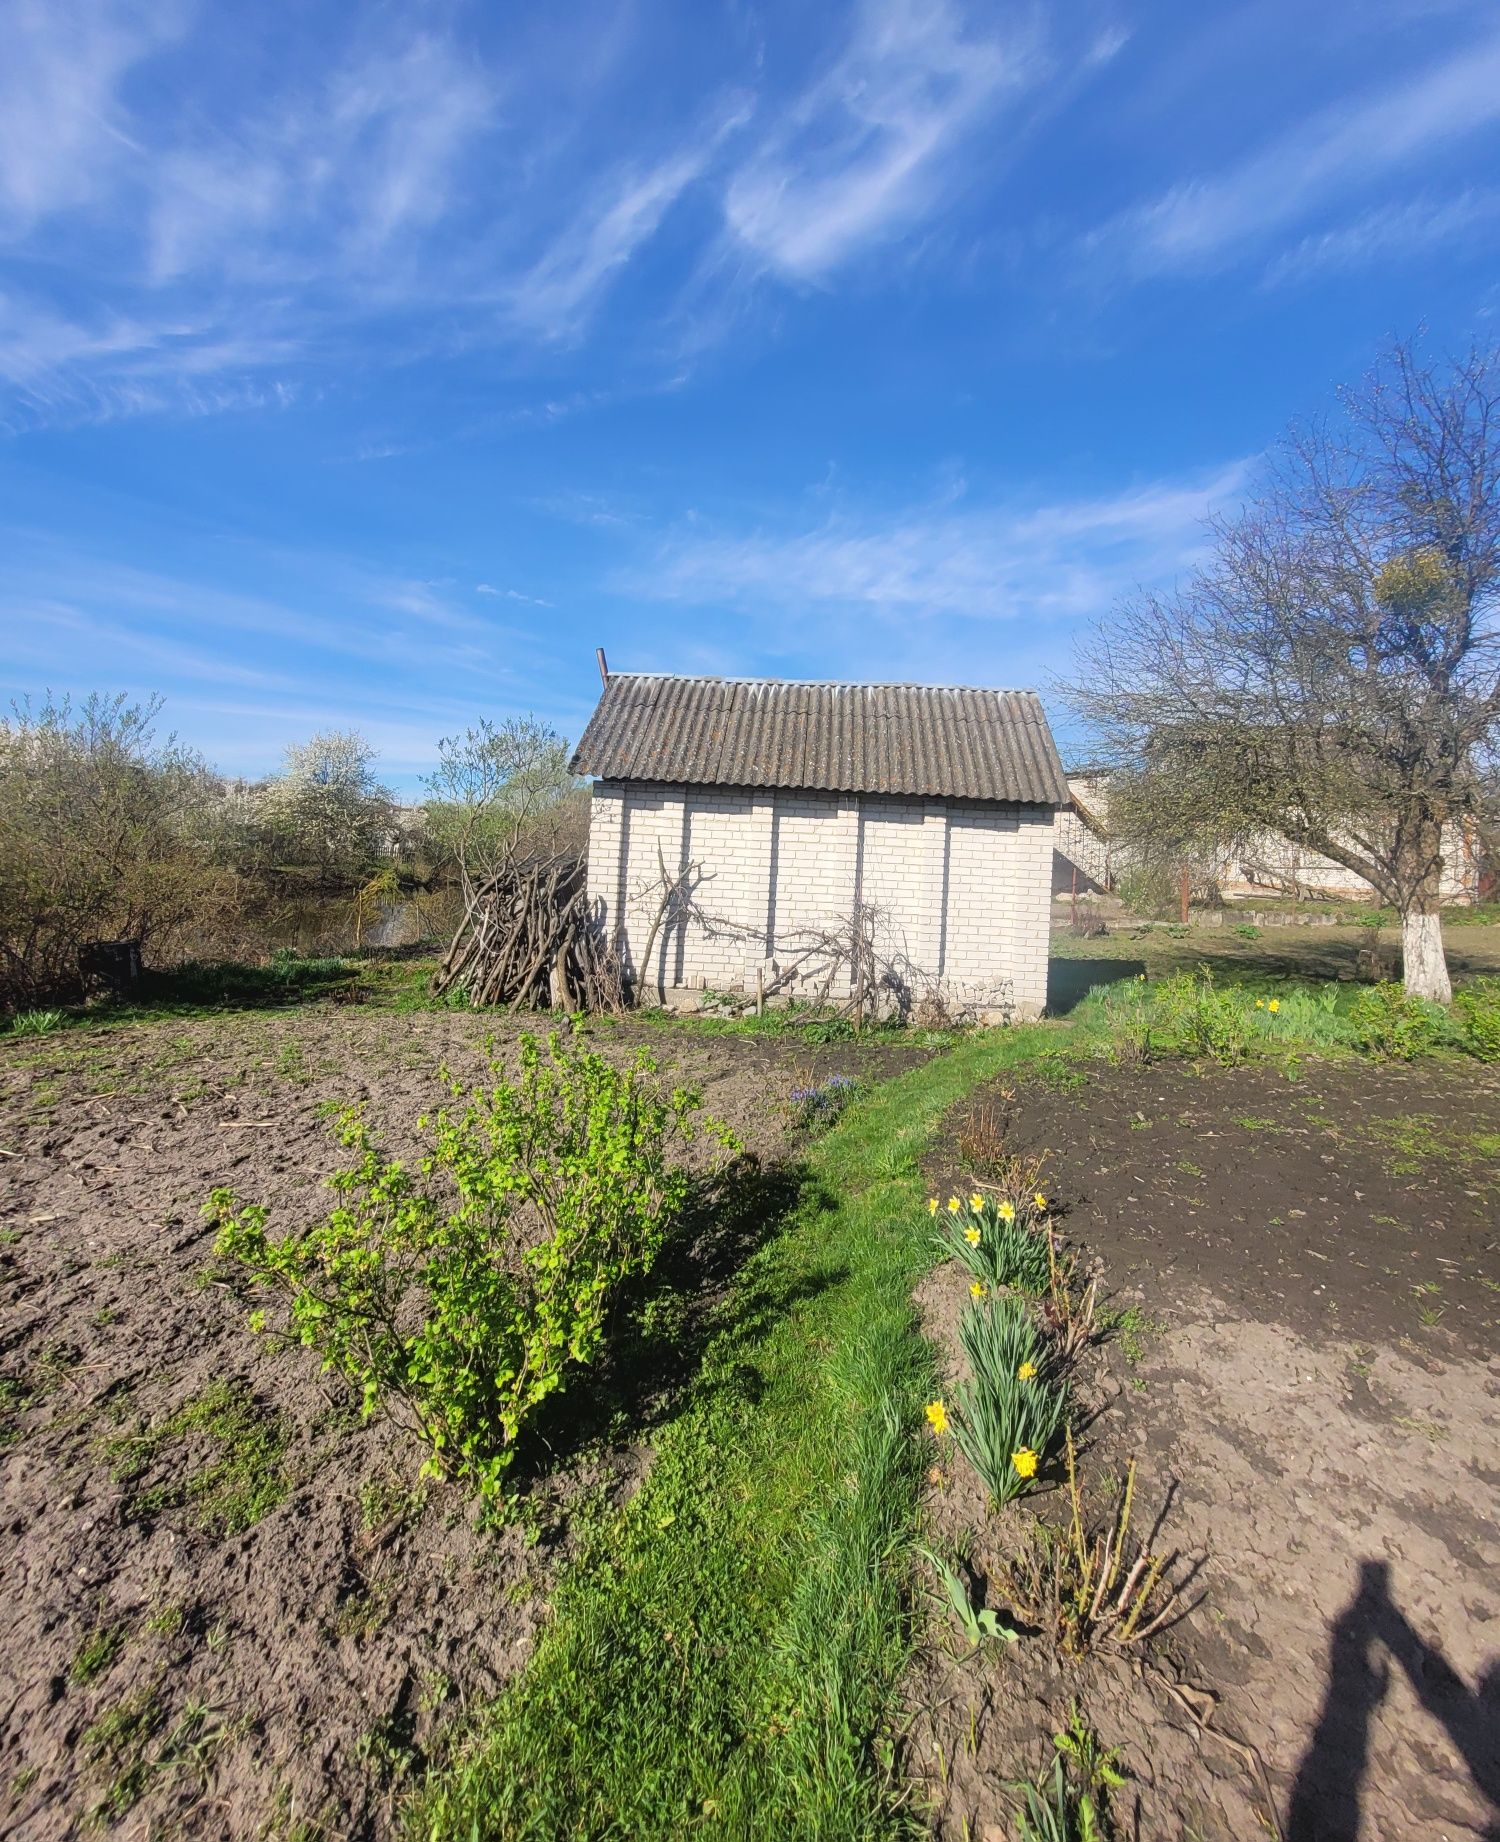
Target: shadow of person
[1368,1636]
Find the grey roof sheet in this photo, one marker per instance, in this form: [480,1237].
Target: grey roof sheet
[839,738]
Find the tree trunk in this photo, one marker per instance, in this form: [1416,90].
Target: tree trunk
[1419,881]
[1424,966]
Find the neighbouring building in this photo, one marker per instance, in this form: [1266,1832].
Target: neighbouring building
[1083,861]
[1088,860]
[743,829]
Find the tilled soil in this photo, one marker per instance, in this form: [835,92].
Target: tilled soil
[1309,1381]
[227,1607]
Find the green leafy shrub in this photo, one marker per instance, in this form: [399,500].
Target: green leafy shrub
[1195,1016]
[1010,1410]
[1000,1243]
[1476,1009]
[1388,1023]
[1149,889]
[459,1320]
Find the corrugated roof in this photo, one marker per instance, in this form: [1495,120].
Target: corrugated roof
[940,740]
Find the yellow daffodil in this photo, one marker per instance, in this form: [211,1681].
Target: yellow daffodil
[1260,1004]
[954,1205]
[976,1203]
[971,1235]
[1024,1460]
[976,1290]
[1274,1005]
[1007,1211]
[1040,1200]
[932,1205]
[1026,1372]
[937,1418]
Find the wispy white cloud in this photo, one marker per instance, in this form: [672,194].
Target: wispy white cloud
[399,186]
[338,178]
[65,369]
[557,293]
[998,562]
[1394,233]
[61,121]
[1210,223]
[220,210]
[337,609]
[864,149]
[511,594]
[222,239]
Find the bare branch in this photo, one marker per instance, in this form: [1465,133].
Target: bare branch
[1332,673]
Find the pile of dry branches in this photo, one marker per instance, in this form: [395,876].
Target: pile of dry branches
[529,939]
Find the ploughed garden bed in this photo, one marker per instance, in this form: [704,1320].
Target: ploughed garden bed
[229,1606]
[1303,1274]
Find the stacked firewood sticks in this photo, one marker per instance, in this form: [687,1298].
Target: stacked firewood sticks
[529,940]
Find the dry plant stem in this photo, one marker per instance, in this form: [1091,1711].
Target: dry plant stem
[1247,1754]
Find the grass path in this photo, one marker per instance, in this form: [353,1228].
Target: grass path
[721,1661]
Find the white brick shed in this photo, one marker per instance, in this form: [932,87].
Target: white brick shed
[791,809]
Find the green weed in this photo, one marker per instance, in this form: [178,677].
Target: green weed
[1476,1009]
[131,1744]
[1071,1804]
[384,1502]
[97,1651]
[246,1478]
[15,1397]
[979,1624]
[167,1620]
[1132,1326]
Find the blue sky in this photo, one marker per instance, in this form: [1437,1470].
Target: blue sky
[370,365]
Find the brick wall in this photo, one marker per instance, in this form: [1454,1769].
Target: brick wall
[963,887]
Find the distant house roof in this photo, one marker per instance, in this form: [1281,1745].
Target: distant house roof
[937,740]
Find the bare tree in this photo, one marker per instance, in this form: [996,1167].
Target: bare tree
[1332,672]
[104,834]
[499,787]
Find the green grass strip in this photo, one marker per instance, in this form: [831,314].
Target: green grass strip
[723,1658]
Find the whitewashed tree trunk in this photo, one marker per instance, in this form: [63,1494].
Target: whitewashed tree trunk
[1423,962]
